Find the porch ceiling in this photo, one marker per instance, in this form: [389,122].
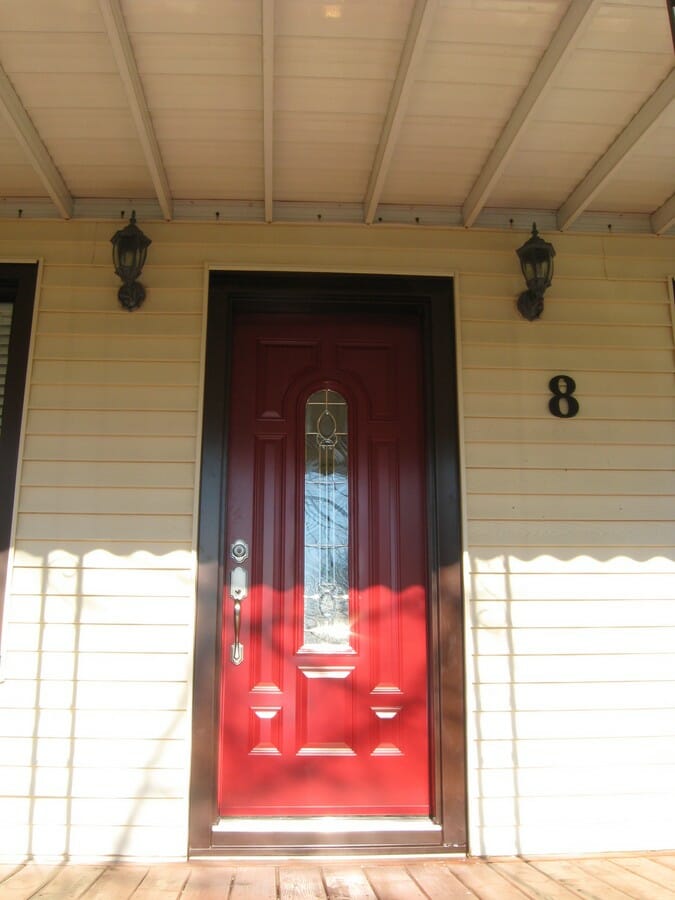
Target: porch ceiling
[456,112]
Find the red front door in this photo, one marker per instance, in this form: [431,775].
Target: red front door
[324,682]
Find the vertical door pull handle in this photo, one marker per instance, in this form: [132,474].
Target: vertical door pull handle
[238,592]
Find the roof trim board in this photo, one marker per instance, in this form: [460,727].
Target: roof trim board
[322,214]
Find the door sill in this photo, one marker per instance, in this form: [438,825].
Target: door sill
[325,824]
[323,832]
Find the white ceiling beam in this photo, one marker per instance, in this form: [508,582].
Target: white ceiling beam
[556,55]
[418,31]
[126,64]
[648,115]
[268,105]
[664,217]
[32,144]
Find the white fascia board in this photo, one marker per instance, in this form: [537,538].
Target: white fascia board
[319,214]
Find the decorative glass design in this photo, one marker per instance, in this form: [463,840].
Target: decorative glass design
[326,599]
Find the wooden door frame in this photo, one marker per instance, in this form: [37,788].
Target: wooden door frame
[19,283]
[431,298]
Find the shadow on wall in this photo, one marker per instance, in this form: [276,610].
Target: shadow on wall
[572,693]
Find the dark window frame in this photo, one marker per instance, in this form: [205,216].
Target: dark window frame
[17,285]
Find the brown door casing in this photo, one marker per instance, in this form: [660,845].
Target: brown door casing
[430,301]
[17,287]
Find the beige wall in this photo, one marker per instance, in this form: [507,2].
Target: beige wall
[569,535]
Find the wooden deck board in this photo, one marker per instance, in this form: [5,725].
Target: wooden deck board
[68,882]
[393,883]
[625,880]
[254,883]
[347,883]
[117,883]
[532,882]
[301,884]
[619,877]
[163,882]
[438,881]
[654,870]
[209,882]
[26,881]
[586,885]
[6,871]
[486,882]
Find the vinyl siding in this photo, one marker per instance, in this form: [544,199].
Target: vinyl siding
[569,568]
[97,650]
[570,572]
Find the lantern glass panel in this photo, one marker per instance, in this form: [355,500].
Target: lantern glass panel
[127,255]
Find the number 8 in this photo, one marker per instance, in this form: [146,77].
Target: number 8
[570,406]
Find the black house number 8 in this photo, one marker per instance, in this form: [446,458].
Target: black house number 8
[563,403]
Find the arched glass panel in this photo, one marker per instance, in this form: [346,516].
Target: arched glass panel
[326,599]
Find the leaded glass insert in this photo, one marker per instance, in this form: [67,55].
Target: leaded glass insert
[326,598]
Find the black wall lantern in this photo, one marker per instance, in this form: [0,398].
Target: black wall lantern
[536,261]
[130,249]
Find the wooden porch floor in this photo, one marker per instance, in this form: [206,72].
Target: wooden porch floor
[643,877]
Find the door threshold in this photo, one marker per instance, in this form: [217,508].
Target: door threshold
[359,856]
[336,825]
[312,834]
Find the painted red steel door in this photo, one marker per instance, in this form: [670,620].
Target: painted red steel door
[324,689]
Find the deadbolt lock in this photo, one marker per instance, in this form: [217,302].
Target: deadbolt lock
[239,551]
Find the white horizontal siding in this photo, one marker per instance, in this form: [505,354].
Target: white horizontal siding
[150,725]
[570,572]
[109,666]
[97,648]
[569,537]
[94,753]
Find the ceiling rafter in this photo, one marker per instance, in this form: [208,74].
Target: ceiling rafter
[33,145]
[664,217]
[268,105]
[418,31]
[126,64]
[646,117]
[557,53]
